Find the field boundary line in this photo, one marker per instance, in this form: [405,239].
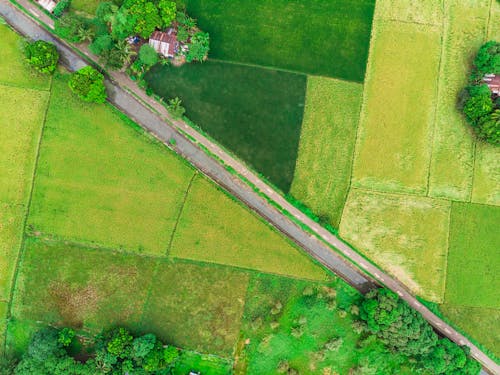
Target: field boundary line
[21,249]
[488,24]
[150,291]
[474,154]
[437,92]
[181,209]
[448,240]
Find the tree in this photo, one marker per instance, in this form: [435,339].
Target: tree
[146,16]
[488,128]
[66,336]
[102,43]
[42,56]
[141,346]
[70,27]
[88,84]
[170,354]
[168,11]
[148,55]
[396,324]
[119,342]
[449,358]
[478,105]
[488,58]
[175,107]
[61,6]
[199,47]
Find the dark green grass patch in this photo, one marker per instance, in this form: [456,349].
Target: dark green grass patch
[319,37]
[256,113]
[473,267]
[196,307]
[292,321]
[204,364]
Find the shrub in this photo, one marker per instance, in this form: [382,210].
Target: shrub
[199,47]
[72,28]
[148,55]
[61,6]
[88,84]
[175,108]
[42,56]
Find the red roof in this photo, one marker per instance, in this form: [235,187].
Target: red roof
[169,37]
[493,82]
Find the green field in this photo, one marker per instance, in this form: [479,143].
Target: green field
[215,228]
[405,235]
[254,112]
[394,144]
[87,6]
[315,314]
[473,266]
[97,175]
[486,187]
[428,12]
[451,170]
[323,169]
[326,38]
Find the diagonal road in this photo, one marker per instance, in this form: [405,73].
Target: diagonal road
[153,117]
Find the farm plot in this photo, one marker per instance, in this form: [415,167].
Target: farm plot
[254,112]
[486,187]
[323,169]
[473,266]
[419,12]
[327,38]
[452,166]
[100,180]
[405,235]
[13,70]
[215,228]
[394,144]
[294,322]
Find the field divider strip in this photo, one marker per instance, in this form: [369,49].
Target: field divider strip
[20,254]
[186,193]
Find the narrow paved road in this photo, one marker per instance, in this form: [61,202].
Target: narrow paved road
[159,123]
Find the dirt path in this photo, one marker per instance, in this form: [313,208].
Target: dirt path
[348,263]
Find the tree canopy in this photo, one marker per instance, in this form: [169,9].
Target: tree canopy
[42,56]
[199,47]
[88,84]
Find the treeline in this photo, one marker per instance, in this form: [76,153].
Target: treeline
[480,106]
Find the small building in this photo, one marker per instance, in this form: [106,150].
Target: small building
[165,42]
[493,82]
[48,5]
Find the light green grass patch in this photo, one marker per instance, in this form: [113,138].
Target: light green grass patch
[100,180]
[87,6]
[78,287]
[486,188]
[405,235]
[482,324]
[19,333]
[204,364]
[215,228]
[394,143]
[196,307]
[21,121]
[323,169]
[452,167]
[420,12]
[494,26]
[473,266]
[13,70]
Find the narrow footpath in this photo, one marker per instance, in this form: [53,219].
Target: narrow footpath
[153,117]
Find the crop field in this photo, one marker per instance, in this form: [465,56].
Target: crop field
[215,228]
[327,140]
[254,112]
[315,37]
[473,266]
[486,187]
[428,12]
[406,235]
[97,176]
[316,314]
[394,144]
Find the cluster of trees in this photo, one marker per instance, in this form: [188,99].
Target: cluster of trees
[42,56]
[88,84]
[115,352]
[480,107]
[404,330]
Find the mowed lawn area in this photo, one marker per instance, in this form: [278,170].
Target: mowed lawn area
[214,227]
[395,138]
[323,169]
[254,112]
[326,38]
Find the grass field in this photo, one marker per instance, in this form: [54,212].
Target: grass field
[451,169]
[323,169]
[20,127]
[254,112]
[13,70]
[473,266]
[215,228]
[87,6]
[479,323]
[314,36]
[405,235]
[418,12]
[486,187]
[315,315]
[393,149]
[97,175]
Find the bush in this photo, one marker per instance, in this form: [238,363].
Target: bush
[61,6]
[72,28]
[42,56]
[88,84]
[148,55]
[199,47]
[175,108]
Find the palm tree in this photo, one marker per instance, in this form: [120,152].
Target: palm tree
[84,33]
[124,51]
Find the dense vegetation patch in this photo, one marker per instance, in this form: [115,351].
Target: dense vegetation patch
[256,113]
[41,55]
[329,38]
[481,104]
